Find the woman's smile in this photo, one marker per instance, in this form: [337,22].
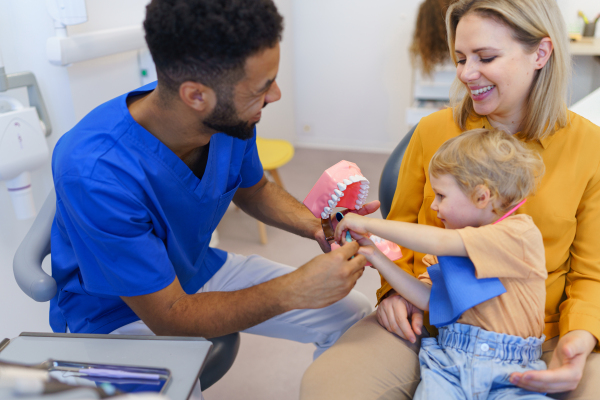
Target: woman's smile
[480,93]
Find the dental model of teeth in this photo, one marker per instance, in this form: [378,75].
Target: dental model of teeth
[343,185]
[482,90]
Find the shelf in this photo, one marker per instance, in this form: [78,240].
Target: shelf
[585,47]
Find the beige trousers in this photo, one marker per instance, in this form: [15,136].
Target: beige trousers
[370,363]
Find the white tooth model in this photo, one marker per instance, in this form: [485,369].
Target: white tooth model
[23,148]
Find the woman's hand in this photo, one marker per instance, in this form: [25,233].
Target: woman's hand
[393,314]
[566,367]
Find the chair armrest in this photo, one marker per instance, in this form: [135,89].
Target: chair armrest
[27,264]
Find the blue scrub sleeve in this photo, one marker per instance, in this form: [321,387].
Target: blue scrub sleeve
[252,169]
[113,239]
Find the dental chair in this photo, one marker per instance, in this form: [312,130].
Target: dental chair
[31,278]
[389,176]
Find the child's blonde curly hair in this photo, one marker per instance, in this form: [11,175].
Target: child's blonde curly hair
[491,158]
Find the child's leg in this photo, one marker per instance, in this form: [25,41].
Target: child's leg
[440,374]
[511,354]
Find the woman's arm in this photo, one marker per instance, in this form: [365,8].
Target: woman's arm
[580,312]
[422,238]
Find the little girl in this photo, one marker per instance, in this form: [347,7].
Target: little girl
[478,179]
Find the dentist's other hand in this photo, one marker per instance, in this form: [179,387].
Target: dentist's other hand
[320,238]
[369,208]
[566,367]
[394,312]
[325,279]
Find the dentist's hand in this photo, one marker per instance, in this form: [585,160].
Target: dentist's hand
[368,208]
[393,314]
[325,279]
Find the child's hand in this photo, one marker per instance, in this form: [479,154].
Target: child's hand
[368,249]
[353,222]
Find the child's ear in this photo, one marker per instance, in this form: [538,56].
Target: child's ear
[481,196]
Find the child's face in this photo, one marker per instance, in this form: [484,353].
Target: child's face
[453,207]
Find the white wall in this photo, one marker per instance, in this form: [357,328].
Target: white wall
[352,72]
[569,9]
[278,118]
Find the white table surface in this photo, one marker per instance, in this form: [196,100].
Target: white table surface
[184,357]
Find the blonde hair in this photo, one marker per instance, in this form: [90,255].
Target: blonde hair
[530,22]
[491,158]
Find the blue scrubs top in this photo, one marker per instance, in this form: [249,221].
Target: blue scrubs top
[131,215]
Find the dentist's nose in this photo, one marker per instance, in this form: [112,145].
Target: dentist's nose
[274,93]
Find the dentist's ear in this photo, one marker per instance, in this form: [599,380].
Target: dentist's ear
[197,96]
[481,196]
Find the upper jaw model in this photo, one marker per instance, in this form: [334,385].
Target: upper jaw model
[343,185]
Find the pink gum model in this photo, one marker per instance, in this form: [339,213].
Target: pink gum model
[342,185]
[390,249]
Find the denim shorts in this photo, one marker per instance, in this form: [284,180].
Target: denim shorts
[467,362]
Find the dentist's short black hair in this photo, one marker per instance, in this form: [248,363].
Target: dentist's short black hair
[208,41]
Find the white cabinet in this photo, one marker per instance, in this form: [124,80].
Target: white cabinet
[430,93]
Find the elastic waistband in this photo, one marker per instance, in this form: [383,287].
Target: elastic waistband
[480,342]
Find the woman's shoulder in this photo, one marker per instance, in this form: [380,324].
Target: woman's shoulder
[581,127]
[438,126]
[576,144]
[441,118]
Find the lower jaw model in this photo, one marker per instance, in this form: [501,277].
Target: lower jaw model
[343,185]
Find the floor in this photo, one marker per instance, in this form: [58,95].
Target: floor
[267,368]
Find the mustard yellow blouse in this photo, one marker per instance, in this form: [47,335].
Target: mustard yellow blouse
[566,209]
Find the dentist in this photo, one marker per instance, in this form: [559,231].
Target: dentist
[143,180]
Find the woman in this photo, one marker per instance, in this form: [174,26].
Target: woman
[512,74]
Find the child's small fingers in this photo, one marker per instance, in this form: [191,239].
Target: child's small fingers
[356,236]
[363,241]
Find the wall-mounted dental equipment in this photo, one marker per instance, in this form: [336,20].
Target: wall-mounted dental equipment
[63,50]
[23,146]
